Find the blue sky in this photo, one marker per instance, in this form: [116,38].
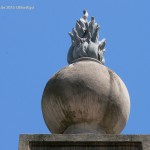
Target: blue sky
[34,45]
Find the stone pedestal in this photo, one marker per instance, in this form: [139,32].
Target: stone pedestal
[84,142]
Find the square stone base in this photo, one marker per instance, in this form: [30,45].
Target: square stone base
[83,142]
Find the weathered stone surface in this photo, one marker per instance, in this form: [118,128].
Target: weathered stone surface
[85,97]
[85,40]
[84,141]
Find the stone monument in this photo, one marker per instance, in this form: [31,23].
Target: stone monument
[85,105]
[85,96]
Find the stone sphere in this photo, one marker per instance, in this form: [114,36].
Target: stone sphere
[85,97]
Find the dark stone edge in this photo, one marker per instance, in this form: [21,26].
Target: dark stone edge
[25,139]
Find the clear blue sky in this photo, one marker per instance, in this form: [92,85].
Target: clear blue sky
[34,45]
